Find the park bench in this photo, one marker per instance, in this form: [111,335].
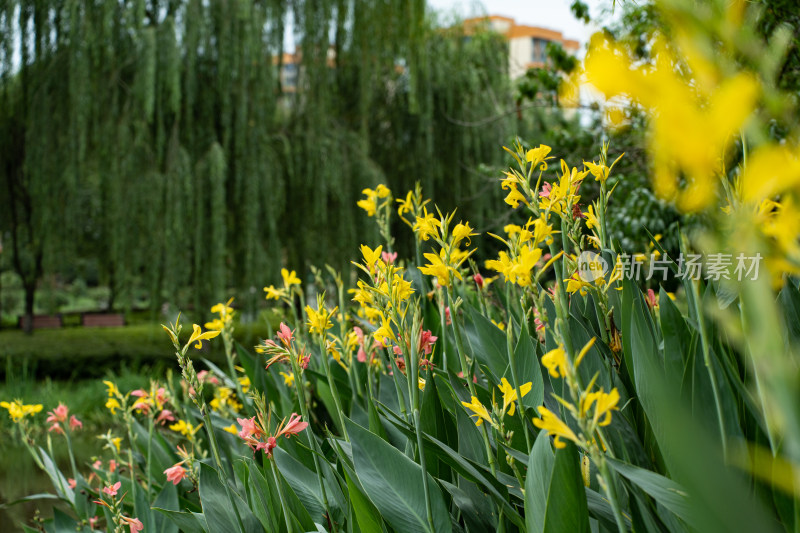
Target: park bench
[41,321]
[102,320]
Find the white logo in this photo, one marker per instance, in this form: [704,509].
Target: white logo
[591,266]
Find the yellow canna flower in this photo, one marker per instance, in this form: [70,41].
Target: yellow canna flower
[289,278]
[288,379]
[591,218]
[510,394]
[112,388]
[112,404]
[273,293]
[244,383]
[555,361]
[17,410]
[554,426]
[542,231]
[231,429]
[514,197]
[185,428]
[406,205]
[503,264]
[369,205]
[382,191]
[371,257]
[537,156]
[198,335]
[437,267]
[461,232]
[605,404]
[426,225]
[319,320]
[599,171]
[576,284]
[694,121]
[385,332]
[402,288]
[223,309]
[479,412]
[117,441]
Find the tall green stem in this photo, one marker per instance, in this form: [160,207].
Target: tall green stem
[465,371]
[611,492]
[220,470]
[286,516]
[301,399]
[333,387]
[413,390]
[149,455]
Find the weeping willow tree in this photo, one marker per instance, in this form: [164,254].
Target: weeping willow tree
[153,137]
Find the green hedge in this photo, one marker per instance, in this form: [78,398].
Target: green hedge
[69,353]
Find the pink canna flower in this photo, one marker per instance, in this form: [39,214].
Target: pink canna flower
[361,356]
[165,416]
[397,350]
[652,301]
[112,465]
[545,192]
[249,427]
[97,465]
[359,335]
[139,393]
[74,423]
[59,414]
[93,522]
[267,447]
[112,490]
[285,334]
[293,427]
[57,428]
[478,279]
[426,340]
[388,258]
[72,483]
[134,524]
[448,318]
[175,473]
[161,396]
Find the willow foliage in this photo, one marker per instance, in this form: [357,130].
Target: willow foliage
[133,133]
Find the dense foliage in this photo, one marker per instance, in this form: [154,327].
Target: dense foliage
[541,390]
[122,124]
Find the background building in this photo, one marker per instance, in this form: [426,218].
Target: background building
[527,44]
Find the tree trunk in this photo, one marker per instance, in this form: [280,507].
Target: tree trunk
[30,292]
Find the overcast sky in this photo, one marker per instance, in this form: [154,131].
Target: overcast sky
[551,14]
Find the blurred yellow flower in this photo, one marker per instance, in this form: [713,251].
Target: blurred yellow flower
[112,404]
[694,120]
[289,278]
[17,410]
[288,379]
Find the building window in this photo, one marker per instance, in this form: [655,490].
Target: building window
[539,50]
[289,75]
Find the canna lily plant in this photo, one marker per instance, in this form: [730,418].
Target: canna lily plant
[531,393]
